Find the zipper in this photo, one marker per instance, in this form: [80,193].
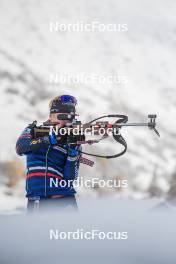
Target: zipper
[46,169]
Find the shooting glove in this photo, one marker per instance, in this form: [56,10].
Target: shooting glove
[73,151]
[52,138]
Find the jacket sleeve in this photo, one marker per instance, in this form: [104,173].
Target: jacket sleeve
[27,144]
[71,167]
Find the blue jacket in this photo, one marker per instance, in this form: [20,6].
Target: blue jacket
[47,166]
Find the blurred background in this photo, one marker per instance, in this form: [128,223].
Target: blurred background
[35,60]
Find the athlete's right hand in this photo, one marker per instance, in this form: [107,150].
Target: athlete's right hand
[52,138]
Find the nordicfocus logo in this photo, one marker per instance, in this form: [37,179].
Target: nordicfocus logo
[87,235]
[80,130]
[82,77]
[88,183]
[92,26]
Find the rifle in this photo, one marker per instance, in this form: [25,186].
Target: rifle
[71,139]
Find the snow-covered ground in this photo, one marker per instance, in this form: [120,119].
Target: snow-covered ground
[12,200]
[145,54]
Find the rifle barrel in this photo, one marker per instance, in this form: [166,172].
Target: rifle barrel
[133,124]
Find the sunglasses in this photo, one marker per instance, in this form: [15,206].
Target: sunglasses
[68,99]
[69,117]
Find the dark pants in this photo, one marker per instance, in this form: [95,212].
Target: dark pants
[39,205]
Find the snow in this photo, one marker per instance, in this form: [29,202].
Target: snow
[145,54]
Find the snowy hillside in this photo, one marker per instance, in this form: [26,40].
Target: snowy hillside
[30,53]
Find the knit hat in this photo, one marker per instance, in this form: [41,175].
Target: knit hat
[63,104]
